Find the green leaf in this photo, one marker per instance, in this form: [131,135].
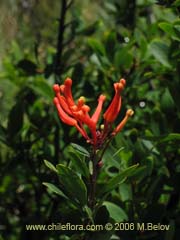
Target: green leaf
[118,151]
[115,181]
[115,212]
[97,46]
[167,102]
[166,138]
[171,137]
[89,213]
[79,163]
[125,190]
[42,88]
[169,29]
[54,189]
[50,166]
[80,149]
[123,58]
[160,51]
[89,30]
[72,184]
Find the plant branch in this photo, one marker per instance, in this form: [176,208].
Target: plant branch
[93,178]
[61,29]
[58,67]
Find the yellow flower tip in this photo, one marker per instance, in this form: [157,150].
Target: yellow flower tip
[122,81]
[82,98]
[129,113]
[102,127]
[119,86]
[102,97]
[81,101]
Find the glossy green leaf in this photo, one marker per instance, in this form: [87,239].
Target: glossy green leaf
[169,29]
[165,138]
[43,88]
[89,30]
[125,190]
[54,189]
[50,165]
[78,162]
[72,184]
[115,181]
[96,46]
[160,51]
[89,213]
[80,149]
[171,137]
[116,212]
[123,58]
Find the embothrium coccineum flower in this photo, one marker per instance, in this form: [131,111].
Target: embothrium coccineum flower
[77,114]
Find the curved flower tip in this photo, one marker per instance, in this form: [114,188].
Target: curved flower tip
[102,98]
[61,87]
[56,88]
[122,81]
[114,108]
[81,101]
[67,91]
[129,113]
[68,82]
[96,115]
[85,108]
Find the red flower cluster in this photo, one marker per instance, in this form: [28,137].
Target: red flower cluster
[77,114]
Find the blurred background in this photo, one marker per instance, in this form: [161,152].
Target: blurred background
[95,43]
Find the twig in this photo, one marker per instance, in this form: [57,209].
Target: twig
[58,68]
[61,28]
[93,178]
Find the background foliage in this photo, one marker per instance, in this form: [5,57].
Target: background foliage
[95,43]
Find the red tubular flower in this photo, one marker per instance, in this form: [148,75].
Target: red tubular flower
[67,91]
[114,108]
[78,114]
[96,115]
[129,113]
[62,114]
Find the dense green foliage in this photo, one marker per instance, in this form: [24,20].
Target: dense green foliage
[95,43]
